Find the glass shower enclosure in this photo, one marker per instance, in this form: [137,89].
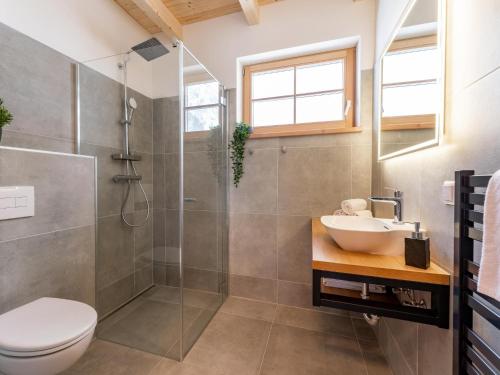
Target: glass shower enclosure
[160,125]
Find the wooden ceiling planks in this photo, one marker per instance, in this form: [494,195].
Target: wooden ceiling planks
[186,11]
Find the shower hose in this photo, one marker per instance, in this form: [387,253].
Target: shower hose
[125,200]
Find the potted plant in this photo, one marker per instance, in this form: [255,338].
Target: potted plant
[5,117]
[237,146]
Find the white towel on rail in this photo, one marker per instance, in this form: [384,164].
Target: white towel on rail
[489,272]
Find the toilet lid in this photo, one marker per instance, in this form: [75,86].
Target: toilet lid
[44,324]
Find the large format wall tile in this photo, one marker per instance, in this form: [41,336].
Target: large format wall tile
[37,86]
[294,248]
[253,245]
[257,191]
[64,191]
[200,240]
[115,251]
[37,142]
[101,100]
[109,194]
[253,288]
[313,181]
[200,180]
[58,264]
[294,294]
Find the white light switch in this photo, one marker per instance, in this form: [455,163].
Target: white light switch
[448,193]
[17,201]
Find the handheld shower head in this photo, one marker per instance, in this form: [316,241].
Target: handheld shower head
[132,106]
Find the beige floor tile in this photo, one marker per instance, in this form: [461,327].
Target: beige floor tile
[105,358]
[202,299]
[375,361]
[169,367]
[303,352]
[363,330]
[249,308]
[163,293]
[231,345]
[315,321]
[152,327]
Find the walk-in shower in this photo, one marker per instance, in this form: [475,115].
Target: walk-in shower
[158,131]
[149,50]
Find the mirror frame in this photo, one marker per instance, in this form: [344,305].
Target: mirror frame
[377,100]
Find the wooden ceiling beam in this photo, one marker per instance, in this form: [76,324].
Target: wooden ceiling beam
[161,16]
[251,10]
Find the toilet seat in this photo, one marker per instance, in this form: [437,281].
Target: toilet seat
[45,326]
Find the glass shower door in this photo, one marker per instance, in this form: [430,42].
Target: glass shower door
[203,213]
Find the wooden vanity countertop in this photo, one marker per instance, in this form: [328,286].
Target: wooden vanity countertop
[328,256]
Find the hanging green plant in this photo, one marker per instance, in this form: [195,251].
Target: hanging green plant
[237,146]
[5,117]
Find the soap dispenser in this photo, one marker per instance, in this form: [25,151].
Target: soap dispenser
[417,249]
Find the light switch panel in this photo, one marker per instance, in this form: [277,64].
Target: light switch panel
[17,201]
[448,193]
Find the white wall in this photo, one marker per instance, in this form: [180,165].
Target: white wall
[470,141]
[390,13]
[83,30]
[219,42]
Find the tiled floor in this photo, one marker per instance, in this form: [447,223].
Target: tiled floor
[250,337]
[151,322]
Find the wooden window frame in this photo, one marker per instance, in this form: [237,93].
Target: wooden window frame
[328,127]
[411,122]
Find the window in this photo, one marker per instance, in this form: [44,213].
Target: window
[202,106]
[409,84]
[311,94]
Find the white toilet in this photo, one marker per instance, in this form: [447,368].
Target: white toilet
[45,337]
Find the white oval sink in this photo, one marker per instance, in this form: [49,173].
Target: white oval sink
[367,234]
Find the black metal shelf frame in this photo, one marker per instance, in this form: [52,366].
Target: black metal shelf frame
[437,315]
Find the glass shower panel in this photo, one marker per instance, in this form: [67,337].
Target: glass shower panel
[204,227]
[138,266]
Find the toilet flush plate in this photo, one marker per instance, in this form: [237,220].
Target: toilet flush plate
[16,202]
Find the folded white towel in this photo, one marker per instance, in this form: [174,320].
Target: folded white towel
[350,206]
[364,213]
[489,272]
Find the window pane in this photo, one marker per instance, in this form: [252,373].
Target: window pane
[272,83]
[202,119]
[409,100]
[319,108]
[320,77]
[202,93]
[407,66]
[272,112]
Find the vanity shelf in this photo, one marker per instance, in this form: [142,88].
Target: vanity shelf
[330,261]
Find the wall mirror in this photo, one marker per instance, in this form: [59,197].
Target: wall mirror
[411,82]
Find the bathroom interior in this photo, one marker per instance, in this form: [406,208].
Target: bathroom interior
[250,187]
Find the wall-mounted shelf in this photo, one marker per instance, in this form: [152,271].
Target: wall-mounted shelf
[330,261]
[131,157]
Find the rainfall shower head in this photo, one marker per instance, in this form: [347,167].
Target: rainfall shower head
[150,49]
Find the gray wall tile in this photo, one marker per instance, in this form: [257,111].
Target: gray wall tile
[38,91]
[58,264]
[64,191]
[294,294]
[294,248]
[115,251]
[257,191]
[253,245]
[254,288]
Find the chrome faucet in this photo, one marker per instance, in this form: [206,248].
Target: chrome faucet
[397,201]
